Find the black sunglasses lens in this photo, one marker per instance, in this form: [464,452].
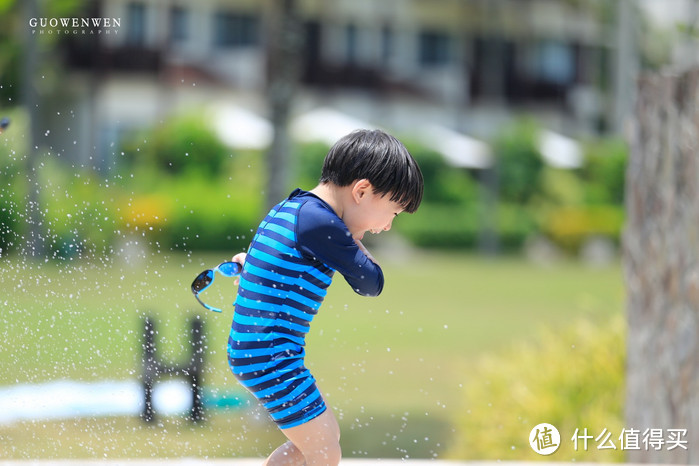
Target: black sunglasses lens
[229,269]
[203,280]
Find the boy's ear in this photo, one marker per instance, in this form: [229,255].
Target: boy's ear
[360,188]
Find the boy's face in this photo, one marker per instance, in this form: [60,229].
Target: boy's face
[369,212]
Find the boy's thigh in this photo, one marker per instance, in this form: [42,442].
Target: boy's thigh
[318,434]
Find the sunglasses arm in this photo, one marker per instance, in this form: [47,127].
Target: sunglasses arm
[196,295]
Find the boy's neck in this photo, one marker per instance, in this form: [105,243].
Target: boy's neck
[332,194]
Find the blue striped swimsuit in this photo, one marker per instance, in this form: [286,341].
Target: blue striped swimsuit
[289,266]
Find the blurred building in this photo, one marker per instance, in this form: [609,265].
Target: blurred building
[463,64]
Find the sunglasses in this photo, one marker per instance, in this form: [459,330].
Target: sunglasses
[206,278]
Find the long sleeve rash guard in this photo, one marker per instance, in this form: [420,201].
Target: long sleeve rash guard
[289,266]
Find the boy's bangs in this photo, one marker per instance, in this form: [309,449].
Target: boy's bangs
[409,194]
[402,181]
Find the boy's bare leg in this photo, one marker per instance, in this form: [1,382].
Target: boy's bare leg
[287,454]
[313,443]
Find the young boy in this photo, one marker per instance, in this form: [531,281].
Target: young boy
[368,178]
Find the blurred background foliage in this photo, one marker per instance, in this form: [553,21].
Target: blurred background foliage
[178,186]
[174,198]
[572,378]
[566,206]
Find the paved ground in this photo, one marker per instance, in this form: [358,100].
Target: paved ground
[232,462]
[258,462]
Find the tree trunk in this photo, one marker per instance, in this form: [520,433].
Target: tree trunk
[285,39]
[661,249]
[34,242]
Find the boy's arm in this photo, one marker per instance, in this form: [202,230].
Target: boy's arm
[365,251]
[325,238]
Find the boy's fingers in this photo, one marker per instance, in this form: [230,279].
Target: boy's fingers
[240,258]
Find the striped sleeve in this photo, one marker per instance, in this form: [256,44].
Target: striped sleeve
[323,237]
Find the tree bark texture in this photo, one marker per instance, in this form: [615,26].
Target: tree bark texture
[284,45]
[661,260]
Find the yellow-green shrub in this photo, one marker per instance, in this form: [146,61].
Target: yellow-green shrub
[194,211]
[571,378]
[570,226]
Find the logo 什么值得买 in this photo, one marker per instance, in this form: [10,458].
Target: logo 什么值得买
[544,439]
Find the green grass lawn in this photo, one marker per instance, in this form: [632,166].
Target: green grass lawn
[392,367]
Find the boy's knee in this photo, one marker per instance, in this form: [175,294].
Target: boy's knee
[329,454]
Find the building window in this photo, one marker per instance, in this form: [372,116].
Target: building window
[556,63]
[435,48]
[386,43]
[179,22]
[236,30]
[351,43]
[136,24]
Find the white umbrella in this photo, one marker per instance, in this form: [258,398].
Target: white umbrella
[560,151]
[241,128]
[326,125]
[458,149]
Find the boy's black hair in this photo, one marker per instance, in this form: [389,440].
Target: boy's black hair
[380,158]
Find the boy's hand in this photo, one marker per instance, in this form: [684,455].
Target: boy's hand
[240,259]
[365,251]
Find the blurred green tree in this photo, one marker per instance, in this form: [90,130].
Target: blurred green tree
[24,55]
[519,162]
[179,144]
